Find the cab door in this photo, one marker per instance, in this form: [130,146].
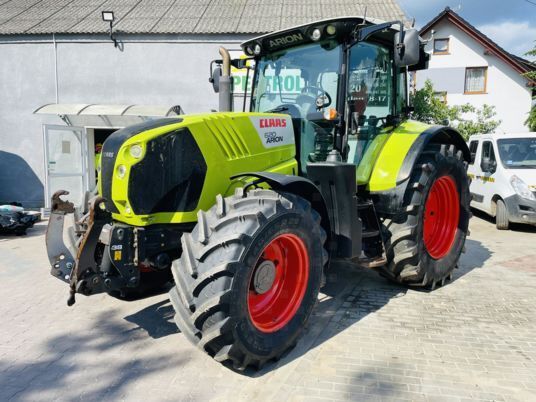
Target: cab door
[475,173]
[488,175]
[65,162]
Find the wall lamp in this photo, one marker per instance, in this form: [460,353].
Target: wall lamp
[108,16]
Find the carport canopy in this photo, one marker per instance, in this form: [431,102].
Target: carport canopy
[102,115]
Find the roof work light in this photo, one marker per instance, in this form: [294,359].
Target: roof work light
[108,16]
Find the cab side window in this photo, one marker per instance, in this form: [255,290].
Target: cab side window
[487,152]
[473,146]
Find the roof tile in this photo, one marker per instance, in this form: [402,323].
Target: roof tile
[179,16]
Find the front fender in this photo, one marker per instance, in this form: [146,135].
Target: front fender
[296,185]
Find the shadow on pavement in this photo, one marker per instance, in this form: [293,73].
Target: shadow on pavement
[475,256]
[84,366]
[347,286]
[156,320]
[350,288]
[516,227]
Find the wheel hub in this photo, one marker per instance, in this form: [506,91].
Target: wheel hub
[264,277]
[441,217]
[278,284]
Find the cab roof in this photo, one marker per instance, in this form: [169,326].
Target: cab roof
[284,38]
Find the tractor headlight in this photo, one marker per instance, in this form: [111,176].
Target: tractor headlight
[121,171]
[521,188]
[136,151]
[257,49]
[330,30]
[316,34]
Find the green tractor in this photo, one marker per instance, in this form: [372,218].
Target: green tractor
[245,210]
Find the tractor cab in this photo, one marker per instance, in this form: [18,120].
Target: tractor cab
[343,81]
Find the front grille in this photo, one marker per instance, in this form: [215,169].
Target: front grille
[111,148]
[170,177]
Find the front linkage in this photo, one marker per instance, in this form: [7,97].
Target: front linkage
[96,243]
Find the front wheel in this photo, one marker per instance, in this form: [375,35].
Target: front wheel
[501,219]
[424,242]
[249,276]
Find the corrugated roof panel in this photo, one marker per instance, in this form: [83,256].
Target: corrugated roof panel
[174,25]
[262,10]
[217,25]
[259,24]
[93,23]
[222,10]
[135,25]
[180,16]
[8,12]
[182,11]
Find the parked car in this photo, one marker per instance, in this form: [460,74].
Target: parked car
[503,173]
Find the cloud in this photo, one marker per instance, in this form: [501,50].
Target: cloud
[516,37]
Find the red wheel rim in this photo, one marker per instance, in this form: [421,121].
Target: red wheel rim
[441,217]
[274,299]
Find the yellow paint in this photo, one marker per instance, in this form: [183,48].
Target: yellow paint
[384,157]
[230,145]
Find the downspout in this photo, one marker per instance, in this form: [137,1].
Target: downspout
[225,95]
[55,66]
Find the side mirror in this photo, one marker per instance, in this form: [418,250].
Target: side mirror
[407,48]
[215,79]
[488,166]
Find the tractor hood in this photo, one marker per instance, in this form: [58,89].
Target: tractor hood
[165,170]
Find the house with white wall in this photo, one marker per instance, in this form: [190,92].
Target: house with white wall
[468,67]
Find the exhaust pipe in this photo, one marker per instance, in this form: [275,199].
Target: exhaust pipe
[225,95]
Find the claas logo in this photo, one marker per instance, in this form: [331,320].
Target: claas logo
[269,123]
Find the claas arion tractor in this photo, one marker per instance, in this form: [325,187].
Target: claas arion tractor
[245,210]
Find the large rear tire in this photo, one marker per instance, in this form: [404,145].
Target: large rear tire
[425,241]
[249,276]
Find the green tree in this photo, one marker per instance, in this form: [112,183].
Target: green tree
[467,119]
[531,75]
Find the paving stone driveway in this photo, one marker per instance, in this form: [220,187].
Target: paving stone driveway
[368,339]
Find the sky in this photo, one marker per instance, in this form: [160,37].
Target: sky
[509,23]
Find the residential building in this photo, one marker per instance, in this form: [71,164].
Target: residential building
[466,66]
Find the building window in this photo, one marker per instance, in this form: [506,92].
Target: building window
[441,46]
[475,80]
[441,96]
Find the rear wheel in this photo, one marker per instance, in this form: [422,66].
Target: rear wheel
[249,276]
[501,218]
[425,241]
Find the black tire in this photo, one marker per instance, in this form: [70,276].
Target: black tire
[212,277]
[501,219]
[409,261]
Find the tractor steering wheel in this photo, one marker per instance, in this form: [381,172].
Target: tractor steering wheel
[319,99]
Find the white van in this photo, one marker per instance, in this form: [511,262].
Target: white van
[503,173]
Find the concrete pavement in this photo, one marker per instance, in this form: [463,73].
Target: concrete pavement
[368,339]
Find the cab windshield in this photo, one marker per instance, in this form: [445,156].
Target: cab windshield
[302,81]
[518,153]
[292,80]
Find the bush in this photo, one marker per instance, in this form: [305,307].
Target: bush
[467,119]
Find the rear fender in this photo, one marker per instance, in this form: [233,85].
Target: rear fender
[390,201]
